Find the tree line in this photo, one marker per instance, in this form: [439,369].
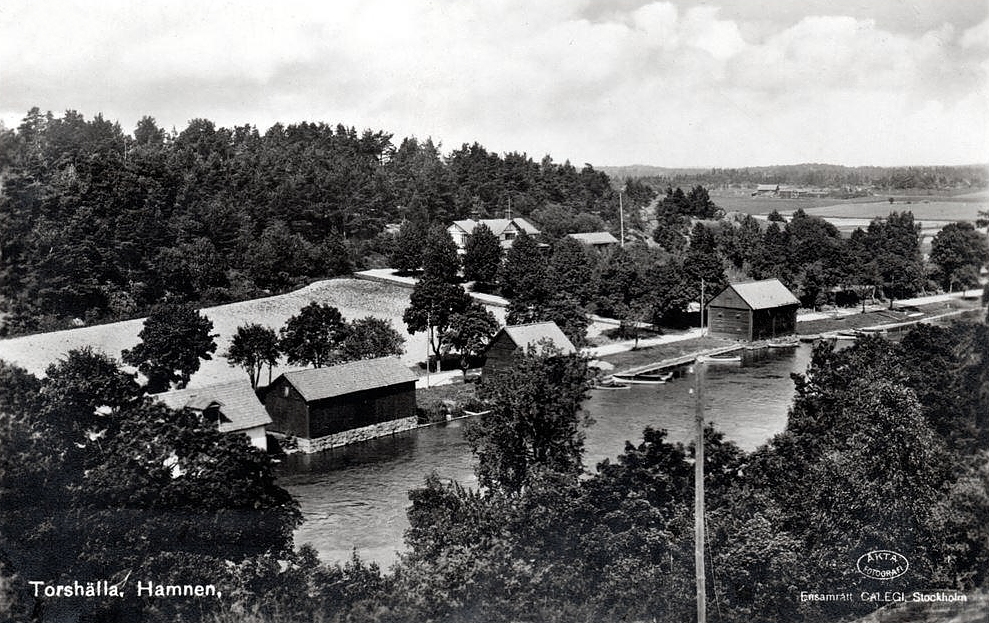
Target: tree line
[695,247]
[99,225]
[841,179]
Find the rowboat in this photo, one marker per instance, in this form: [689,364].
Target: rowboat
[848,335]
[787,344]
[654,376]
[635,379]
[710,359]
[610,384]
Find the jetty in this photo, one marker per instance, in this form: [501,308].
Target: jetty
[666,365]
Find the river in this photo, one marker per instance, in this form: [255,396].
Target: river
[357,496]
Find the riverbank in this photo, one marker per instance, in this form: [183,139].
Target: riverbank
[902,315]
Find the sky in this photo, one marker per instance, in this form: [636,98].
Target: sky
[718,83]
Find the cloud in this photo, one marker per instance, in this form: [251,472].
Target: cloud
[676,83]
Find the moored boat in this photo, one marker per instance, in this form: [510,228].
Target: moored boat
[716,359]
[848,335]
[653,376]
[786,344]
[636,379]
[610,384]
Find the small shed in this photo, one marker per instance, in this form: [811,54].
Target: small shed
[599,240]
[319,402]
[233,407]
[501,350]
[755,310]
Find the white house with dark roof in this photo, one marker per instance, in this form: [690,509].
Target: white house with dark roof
[502,348]
[233,407]
[755,310]
[328,407]
[506,230]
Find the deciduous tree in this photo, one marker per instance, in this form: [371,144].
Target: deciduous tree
[313,336]
[252,347]
[174,338]
[432,304]
[470,331]
[959,252]
[369,338]
[440,259]
[535,421]
[482,258]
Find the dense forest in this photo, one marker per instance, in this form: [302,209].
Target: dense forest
[97,224]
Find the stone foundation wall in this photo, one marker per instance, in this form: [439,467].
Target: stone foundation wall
[355,435]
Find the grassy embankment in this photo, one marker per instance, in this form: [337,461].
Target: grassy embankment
[886,317]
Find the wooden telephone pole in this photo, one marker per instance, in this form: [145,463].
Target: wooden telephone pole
[699,493]
[699,481]
[621,217]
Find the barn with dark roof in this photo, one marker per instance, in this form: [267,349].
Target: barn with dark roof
[501,350]
[323,402]
[756,310]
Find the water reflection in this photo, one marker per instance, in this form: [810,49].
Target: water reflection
[356,496]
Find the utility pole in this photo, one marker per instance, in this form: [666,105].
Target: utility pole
[702,306]
[621,216]
[699,494]
[429,339]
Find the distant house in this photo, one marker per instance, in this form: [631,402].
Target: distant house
[598,240]
[506,230]
[766,189]
[756,310]
[233,407]
[501,350]
[328,407]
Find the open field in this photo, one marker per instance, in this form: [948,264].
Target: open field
[935,207]
[354,298]
[925,210]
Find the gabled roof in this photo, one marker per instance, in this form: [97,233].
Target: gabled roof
[347,378]
[525,334]
[497,225]
[239,406]
[764,294]
[594,237]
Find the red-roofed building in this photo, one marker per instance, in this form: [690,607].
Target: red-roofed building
[756,310]
[329,407]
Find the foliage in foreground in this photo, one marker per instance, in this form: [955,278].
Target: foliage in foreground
[886,448]
[100,483]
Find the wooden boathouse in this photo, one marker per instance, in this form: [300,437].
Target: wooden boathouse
[329,407]
[756,310]
[500,352]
